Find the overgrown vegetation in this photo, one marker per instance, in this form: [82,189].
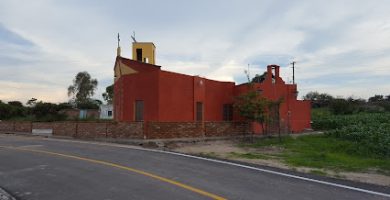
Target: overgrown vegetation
[356,136]
[365,123]
[371,131]
[39,111]
[325,152]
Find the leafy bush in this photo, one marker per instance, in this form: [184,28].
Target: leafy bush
[40,111]
[342,107]
[11,110]
[47,112]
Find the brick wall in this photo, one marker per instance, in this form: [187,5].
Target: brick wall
[160,130]
[215,129]
[79,129]
[6,126]
[132,130]
[22,126]
[91,130]
[59,128]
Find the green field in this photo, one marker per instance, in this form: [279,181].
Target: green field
[358,142]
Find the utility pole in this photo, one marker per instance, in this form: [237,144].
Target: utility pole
[293,67]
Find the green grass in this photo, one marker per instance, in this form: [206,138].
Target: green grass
[322,151]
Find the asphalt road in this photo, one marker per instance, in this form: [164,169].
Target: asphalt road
[47,169]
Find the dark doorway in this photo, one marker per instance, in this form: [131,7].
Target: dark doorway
[227,112]
[139,110]
[199,111]
[139,54]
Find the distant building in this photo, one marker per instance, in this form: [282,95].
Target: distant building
[106,111]
[74,113]
[144,92]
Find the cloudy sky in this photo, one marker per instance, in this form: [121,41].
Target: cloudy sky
[341,47]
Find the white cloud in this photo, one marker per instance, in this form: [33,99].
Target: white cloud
[333,42]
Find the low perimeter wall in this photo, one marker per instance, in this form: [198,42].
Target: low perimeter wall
[131,130]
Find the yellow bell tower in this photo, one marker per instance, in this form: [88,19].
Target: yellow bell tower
[144,52]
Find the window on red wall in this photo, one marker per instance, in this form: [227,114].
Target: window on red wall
[227,112]
[139,110]
[199,111]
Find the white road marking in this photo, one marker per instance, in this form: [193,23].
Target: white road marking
[232,164]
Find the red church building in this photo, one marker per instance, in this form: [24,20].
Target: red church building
[145,92]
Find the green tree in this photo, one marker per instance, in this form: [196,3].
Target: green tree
[376,98]
[91,104]
[12,109]
[64,105]
[5,111]
[108,96]
[341,106]
[319,100]
[381,101]
[44,111]
[31,102]
[15,103]
[251,105]
[259,78]
[82,89]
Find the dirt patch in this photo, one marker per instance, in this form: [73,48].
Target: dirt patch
[228,149]
[220,148]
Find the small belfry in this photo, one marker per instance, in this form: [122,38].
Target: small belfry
[144,51]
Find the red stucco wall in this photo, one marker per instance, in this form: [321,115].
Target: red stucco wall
[172,97]
[175,101]
[216,95]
